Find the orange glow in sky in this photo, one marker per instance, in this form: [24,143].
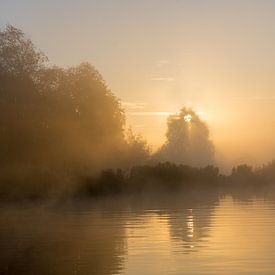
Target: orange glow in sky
[216,57]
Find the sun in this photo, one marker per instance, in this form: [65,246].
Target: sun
[187,118]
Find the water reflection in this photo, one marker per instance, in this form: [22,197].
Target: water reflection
[195,234]
[39,241]
[191,225]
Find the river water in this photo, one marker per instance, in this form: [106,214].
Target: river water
[168,234]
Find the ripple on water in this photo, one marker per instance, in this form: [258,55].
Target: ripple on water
[210,236]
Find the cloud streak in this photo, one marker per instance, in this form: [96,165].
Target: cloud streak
[255,98]
[161,63]
[134,105]
[151,113]
[167,79]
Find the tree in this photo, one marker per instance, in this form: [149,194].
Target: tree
[187,140]
[18,56]
[85,115]
[138,150]
[52,117]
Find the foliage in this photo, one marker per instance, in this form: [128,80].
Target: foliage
[138,150]
[18,56]
[187,140]
[54,118]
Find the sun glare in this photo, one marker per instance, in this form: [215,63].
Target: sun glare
[187,118]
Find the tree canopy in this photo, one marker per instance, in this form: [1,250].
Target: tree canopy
[18,55]
[187,140]
[54,117]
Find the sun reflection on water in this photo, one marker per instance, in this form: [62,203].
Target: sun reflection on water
[190,225]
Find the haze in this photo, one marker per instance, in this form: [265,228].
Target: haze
[216,57]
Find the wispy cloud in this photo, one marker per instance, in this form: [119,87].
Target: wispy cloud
[133,105]
[168,79]
[202,115]
[152,113]
[254,98]
[161,63]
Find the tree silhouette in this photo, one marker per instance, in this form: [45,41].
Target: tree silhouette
[53,118]
[187,140]
[18,55]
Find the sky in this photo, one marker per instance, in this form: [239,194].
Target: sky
[157,56]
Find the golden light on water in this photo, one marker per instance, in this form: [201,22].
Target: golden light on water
[190,225]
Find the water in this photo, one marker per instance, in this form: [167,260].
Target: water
[176,234]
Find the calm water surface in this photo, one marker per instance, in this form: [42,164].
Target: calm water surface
[164,235]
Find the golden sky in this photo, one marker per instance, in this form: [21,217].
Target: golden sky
[157,56]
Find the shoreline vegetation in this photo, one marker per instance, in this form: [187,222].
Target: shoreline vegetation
[63,134]
[162,178]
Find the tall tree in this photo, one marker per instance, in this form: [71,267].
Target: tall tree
[187,140]
[52,117]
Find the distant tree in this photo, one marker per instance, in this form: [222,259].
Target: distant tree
[187,140]
[267,172]
[242,174]
[242,170]
[138,150]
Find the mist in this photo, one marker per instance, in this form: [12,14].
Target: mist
[137,137]
[56,123]
[63,133]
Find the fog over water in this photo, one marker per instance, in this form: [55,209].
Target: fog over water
[139,140]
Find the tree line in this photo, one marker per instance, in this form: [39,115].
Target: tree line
[62,126]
